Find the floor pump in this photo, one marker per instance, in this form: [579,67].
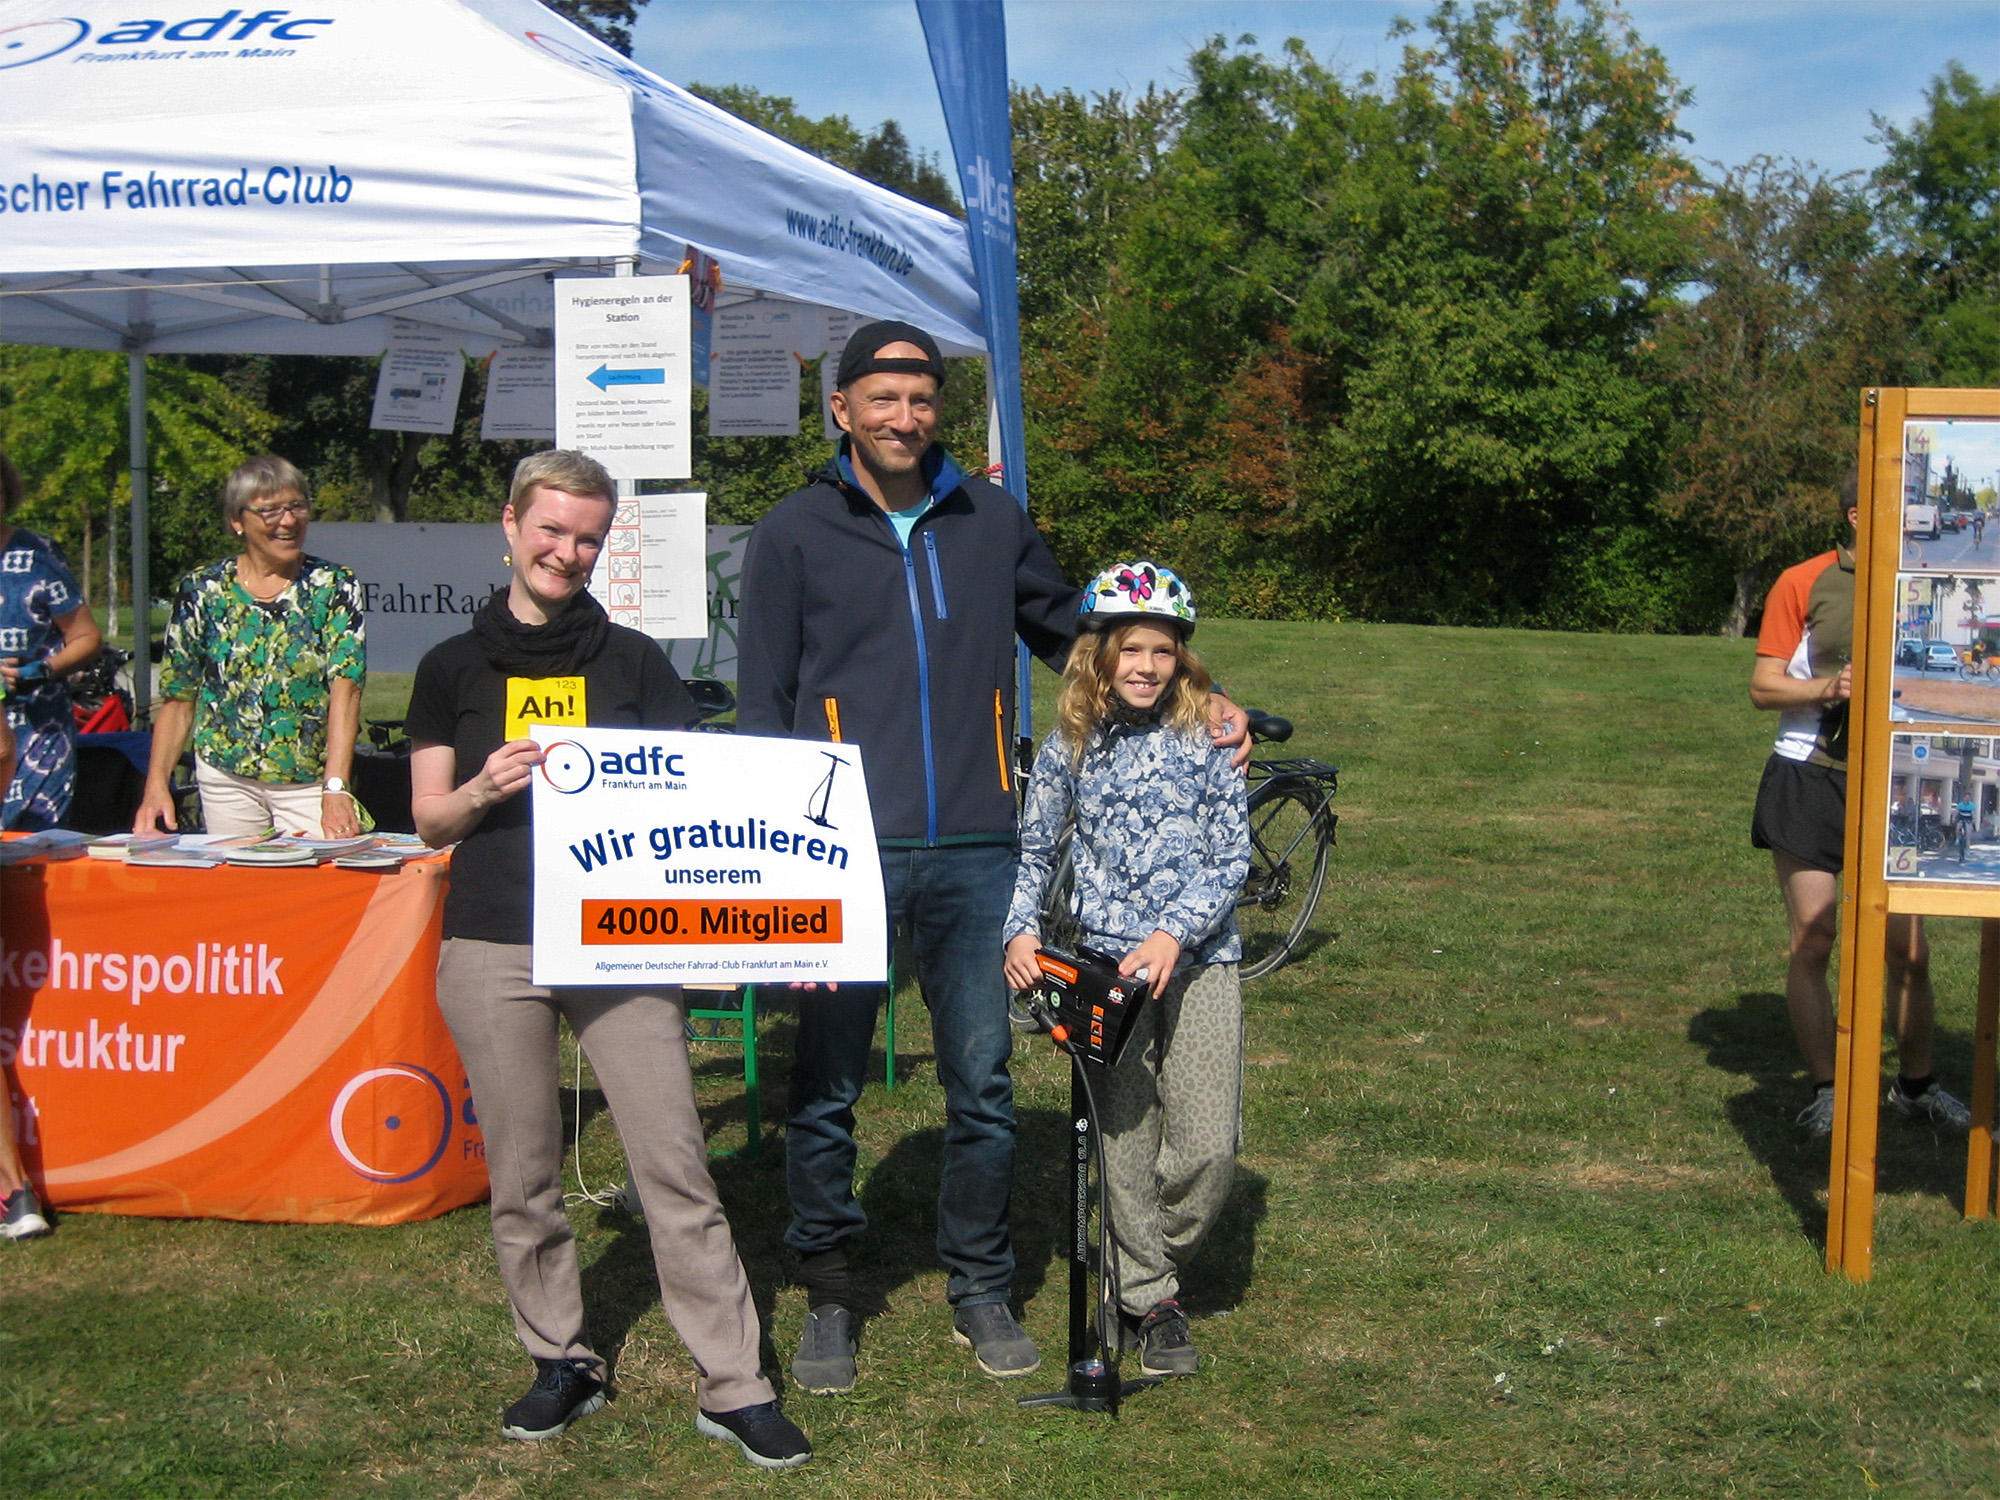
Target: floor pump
[1086,1008]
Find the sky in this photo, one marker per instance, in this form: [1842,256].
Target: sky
[1785,78]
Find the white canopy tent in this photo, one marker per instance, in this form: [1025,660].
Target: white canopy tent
[287,181]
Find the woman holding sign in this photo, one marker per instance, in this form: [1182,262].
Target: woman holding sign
[544,652]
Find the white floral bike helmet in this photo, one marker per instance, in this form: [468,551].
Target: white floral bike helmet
[1138,590]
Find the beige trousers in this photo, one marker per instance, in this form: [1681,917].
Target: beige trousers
[636,1040]
[232,804]
[1171,1112]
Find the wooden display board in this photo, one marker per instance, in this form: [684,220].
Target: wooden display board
[1923,759]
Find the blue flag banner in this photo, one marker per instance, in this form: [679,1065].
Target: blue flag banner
[968,46]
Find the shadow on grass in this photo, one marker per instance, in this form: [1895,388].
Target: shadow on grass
[1754,1041]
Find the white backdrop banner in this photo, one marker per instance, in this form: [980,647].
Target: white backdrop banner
[701,858]
[421,581]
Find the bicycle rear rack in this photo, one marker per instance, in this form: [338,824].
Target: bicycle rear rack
[1302,767]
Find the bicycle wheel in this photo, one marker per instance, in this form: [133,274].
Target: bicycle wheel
[1290,837]
[1060,928]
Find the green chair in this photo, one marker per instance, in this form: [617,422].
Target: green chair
[733,1026]
[710,1024]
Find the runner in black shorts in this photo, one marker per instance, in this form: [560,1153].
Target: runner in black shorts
[1803,672]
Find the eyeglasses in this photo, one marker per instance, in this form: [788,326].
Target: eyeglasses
[270,515]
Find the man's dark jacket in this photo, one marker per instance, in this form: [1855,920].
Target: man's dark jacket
[911,650]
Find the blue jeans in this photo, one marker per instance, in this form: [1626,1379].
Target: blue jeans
[952,903]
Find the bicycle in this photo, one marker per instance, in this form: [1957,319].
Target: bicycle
[1292,835]
[1977,669]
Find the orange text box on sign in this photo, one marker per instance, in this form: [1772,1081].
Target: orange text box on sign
[644,923]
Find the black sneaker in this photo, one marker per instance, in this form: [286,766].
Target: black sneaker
[768,1438]
[824,1364]
[1165,1346]
[564,1390]
[21,1215]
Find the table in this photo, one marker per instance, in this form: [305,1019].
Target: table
[233,1043]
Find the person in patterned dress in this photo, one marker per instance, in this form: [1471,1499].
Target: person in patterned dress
[1162,844]
[265,658]
[46,633]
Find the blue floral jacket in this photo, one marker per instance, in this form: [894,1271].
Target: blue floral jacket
[1162,840]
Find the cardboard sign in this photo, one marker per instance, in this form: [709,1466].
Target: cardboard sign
[667,858]
[558,701]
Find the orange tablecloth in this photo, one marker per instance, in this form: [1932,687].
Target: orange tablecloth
[233,1043]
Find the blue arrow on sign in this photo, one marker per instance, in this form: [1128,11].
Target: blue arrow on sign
[604,376]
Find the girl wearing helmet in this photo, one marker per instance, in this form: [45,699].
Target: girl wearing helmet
[1162,844]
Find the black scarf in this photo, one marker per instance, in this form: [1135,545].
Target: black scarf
[557,649]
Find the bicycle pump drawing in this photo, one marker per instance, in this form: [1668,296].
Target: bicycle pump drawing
[1944,809]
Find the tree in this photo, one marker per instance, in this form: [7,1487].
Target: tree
[882,156]
[1939,192]
[1385,347]
[1798,311]
[1081,168]
[63,419]
[610,21]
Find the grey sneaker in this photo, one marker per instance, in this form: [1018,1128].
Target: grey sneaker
[1817,1117]
[824,1364]
[1933,1106]
[1001,1345]
[1165,1346]
[21,1215]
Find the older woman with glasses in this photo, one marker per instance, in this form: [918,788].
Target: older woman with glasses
[265,662]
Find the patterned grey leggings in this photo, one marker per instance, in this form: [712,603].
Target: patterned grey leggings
[1172,1110]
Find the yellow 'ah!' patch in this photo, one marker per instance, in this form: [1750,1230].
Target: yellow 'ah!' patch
[544,700]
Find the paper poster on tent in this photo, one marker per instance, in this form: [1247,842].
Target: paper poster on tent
[520,396]
[416,389]
[622,379]
[753,386]
[835,325]
[651,575]
[669,858]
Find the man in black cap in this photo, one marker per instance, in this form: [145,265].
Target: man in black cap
[879,607]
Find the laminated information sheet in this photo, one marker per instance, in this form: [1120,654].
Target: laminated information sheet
[622,382]
[652,574]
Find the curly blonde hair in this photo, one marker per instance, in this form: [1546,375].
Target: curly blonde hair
[1086,695]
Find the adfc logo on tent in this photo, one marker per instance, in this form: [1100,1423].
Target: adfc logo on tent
[37,41]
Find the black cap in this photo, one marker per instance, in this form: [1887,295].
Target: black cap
[858,358]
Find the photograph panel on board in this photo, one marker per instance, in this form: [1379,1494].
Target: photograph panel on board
[1951,483]
[1944,810]
[1946,663]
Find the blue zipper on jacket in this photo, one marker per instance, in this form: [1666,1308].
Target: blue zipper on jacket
[923,693]
[937,578]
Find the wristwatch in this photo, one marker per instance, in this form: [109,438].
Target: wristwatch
[334,784]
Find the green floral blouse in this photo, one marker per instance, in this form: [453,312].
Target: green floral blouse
[261,675]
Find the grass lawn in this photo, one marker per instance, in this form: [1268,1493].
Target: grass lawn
[1522,1209]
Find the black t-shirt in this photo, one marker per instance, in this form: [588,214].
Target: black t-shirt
[460,700]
